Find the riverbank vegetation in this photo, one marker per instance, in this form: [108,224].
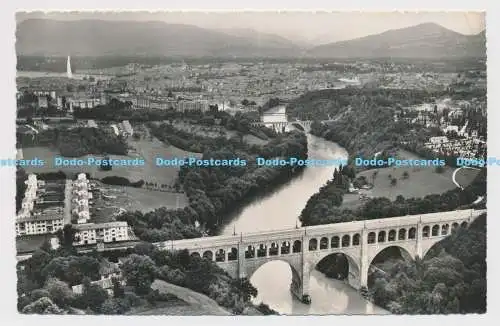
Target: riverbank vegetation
[76,142]
[323,207]
[450,280]
[452,277]
[45,280]
[214,192]
[364,120]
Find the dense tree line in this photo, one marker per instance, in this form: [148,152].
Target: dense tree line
[162,224]
[76,142]
[322,207]
[450,280]
[364,122]
[45,280]
[122,181]
[200,275]
[214,192]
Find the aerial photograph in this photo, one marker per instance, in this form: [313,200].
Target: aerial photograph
[250,163]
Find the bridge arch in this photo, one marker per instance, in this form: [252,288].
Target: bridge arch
[353,267]
[391,250]
[220,255]
[208,254]
[406,251]
[297,246]
[295,267]
[439,232]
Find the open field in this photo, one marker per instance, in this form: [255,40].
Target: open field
[131,199]
[192,304]
[148,150]
[422,181]
[28,243]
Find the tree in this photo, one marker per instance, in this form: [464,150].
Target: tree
[42,306]
[245,102]
[59,292]
[118,290]
[394,181]
[247,289]
[46,246]
[374,176]
[94,296]
[406,175]
[106,167]
[66,236]
[140,272]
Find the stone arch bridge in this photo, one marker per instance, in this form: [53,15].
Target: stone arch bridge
[303,248]
[279,125]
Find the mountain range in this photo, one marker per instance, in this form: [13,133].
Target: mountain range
[100,38]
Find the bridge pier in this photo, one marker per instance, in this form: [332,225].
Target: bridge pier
[362,279]
[299,291]
[241,261]
[300,283]
[418,249]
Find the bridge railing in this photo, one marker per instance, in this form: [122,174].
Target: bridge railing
[320,230]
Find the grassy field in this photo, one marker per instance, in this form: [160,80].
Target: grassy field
[128,198]
[191,303]
[146,149]
[27,243]
[422,181]
[132,199]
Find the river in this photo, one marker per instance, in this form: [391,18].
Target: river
[280,210]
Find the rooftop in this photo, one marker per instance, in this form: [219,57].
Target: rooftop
[91,226]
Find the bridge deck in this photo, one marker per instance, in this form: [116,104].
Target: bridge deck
[402,221]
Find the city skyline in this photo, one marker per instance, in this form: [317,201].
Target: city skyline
[295,26]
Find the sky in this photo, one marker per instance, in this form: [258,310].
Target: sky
[306,27]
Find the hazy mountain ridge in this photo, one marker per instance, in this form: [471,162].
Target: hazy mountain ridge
[421,41]
[100,37]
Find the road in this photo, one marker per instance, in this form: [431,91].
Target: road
[455,174]
[67,201]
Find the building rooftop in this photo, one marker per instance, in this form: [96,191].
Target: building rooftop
[91,226]
[46,216]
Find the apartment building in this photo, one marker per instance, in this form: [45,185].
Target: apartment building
[85,103]
[80,199]
[49,222]
[91,233]
[192,105]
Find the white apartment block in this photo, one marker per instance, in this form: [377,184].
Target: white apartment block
[85,103]
[197,105]
[80,200]
[39,225]
[90,233]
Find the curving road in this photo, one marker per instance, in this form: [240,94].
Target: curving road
[455,174]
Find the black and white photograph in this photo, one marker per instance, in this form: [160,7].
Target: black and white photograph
[250,163]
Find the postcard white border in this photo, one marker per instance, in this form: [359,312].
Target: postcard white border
[8,295]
